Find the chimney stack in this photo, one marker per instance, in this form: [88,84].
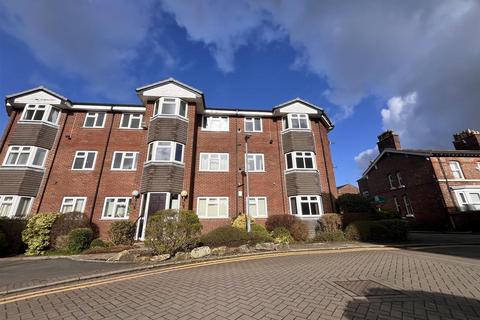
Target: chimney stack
[467,140]
[388,140]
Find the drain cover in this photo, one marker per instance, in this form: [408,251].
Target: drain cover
[367,288]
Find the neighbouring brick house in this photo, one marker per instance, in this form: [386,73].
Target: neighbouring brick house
[431,188]
[347,189]
[115,161]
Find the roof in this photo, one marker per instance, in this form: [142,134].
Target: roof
[39,88]
[423,153]
[297,100]
[169,80]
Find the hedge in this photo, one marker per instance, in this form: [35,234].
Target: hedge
[233,237]
[122,233]
[378,230]
[12,229]
[79,240]
[36,234]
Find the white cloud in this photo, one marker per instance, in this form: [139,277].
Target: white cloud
[364,158]
[398,112]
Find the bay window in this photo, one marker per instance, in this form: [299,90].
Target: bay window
[14,206]
[170,107]
[307,206]
[25,156]
[212,207]
[41,113]
[296,121]
[300,160]
[468,198]
[165,151]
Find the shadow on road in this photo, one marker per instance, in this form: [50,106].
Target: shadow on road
[386,303]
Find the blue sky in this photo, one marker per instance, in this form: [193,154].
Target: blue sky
[373,65]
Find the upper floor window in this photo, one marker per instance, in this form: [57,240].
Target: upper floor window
[300,160]
[170,107]
[124,160]
[14,206]
[116,208]
[213,161]
[257,207]
[397,205]
[391,182]
[215,123]
[73,204]
[253,124]
[296,121]
[212,207]
[305,205]
[478,166]
[408,205]
[131,121]
[84,160]
[399,179]
[94,120]
[456,170]
[255,162]
[165,151]
[41,112]
[25,156]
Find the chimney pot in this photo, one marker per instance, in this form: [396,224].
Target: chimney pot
[388,140]
[467,140]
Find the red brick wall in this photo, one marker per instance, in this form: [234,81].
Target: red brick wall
[347,189]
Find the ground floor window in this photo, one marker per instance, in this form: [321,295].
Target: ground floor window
[257,207]
[73,204]
[116,208]
[14,206]
[212,207]
[468,199]
[304,205]
[408,206]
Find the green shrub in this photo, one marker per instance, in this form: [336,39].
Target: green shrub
[280,220]
[359,230]
[299,231]
[3,243]
[98,243]
[122,232]
[241,221]
[233,237]
[329,222]
[336,235]
[396,230]
[12,229]
[79,240]
[36,234]
[170,230]
[378,230]
[61,243]
[282,235]
[353,203]
[386,214]
[65,223]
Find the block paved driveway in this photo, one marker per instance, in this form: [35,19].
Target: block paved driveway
[389,284]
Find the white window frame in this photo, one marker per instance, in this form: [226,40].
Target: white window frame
[303,155]
[213,156]
[32,152]
[132,115]
[74,204]
[14,205]
[288,121]
[116,203]
[95,115]
[152,151]
[408,206]
[122,161]
[466,203]
[298,202]
[48,110]
[223,129]
[400,180]
[397,205]
[255,214]
[456,169]
[255,155]
[478,166]
[213,200]
[84,163]
[252,120]
[158,108]
[391,182]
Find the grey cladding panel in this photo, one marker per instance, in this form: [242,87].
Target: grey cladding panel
[298,141]
[168,129]
[162,178]
[30,134]
[307,183]
[20,182]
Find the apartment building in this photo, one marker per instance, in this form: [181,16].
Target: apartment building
[430,188]
[114,162]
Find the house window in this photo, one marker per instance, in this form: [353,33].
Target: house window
[255,162]
[170,107]
[257,207]
[94,120]
[408,206]
[209,207]
[468,199]
[165,151]
[124,160]
[175,201]
[73,204]
[253,124]
[305,205]
[214,162]
[456,170]
[215,123]
[25,156]
[131,121]
[478,166]
[84,160]
[399,179]
[14,206]
[391,182]
[41,113]
[300,160]
[116,208]
[397,205]
[296,121]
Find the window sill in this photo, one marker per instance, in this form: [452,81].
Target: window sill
[121,128]
[113,219]
[83,169]
[8,167]
[93,127]
[123,170]
[169,116]
[296,129]
[54,125]
[213,171]
[300,170]
[213,218]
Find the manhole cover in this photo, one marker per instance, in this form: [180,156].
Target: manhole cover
[367,288]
